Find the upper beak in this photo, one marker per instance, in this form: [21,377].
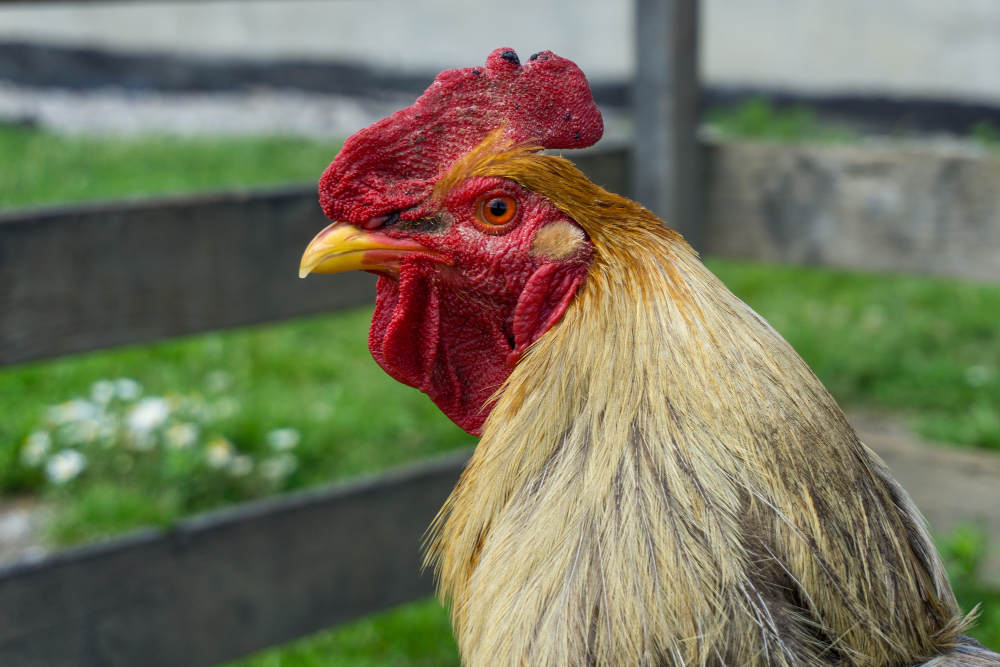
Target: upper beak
[343,247]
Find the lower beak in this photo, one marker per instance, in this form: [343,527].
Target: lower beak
[343,247]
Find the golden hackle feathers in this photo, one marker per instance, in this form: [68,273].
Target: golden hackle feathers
[663,481]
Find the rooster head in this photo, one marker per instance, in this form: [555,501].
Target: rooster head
[474,267]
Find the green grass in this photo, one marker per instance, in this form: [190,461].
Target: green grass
[758,118]
[972,593]
[413,635]
[38,167]
[963,552]
[986,133]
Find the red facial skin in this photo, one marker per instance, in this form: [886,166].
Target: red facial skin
[456,332]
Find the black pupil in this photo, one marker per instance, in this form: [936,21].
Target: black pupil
[498,208]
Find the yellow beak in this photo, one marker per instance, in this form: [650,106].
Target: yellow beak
[343,247]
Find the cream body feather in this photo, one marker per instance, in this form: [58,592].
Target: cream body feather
[663,481]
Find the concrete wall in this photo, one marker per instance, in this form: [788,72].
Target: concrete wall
[932,208]
[941,48]
[936,48]
[419,35]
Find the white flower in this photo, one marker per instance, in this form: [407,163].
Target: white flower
[193,406]
[225,408]
[148,414]
[76,410]
[240,466]
[277,468]
[283,439]
[107,427]
[35,448]
[873,318]
[102,391]
[219,453]
[65,466]
[80,432]
[977,376]
[141,441]
[218,381]
[127,389]
[321,410]
[182,436]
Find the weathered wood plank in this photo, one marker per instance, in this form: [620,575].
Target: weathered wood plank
[228,583]
[102,275]
[86,277]
[667,108]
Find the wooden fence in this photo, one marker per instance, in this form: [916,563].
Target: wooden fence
[87,277]
[228,583]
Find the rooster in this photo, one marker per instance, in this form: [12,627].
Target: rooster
[660,479]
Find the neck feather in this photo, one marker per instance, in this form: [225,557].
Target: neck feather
[664,481]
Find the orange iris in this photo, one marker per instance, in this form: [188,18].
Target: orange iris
[496,210]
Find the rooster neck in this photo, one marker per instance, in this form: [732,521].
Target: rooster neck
[664,481]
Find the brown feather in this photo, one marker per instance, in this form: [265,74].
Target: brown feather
[663,481]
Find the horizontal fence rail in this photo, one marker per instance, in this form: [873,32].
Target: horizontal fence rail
[94,276]
[226,584]
[100,275]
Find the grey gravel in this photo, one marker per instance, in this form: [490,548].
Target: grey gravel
[121,112]
[23,524]
[261,111]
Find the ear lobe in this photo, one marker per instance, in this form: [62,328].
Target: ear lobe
[543,301]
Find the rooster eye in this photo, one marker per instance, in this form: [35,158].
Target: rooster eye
[497,210]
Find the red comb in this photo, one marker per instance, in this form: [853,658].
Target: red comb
[392,164]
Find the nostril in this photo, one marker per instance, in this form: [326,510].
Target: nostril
[386,220]
[374,222]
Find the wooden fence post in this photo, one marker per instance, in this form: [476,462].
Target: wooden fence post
[667,107]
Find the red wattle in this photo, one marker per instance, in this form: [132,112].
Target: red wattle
[543,301]
[430,336]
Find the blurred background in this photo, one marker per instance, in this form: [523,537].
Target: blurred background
[848,191]
[913,50]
